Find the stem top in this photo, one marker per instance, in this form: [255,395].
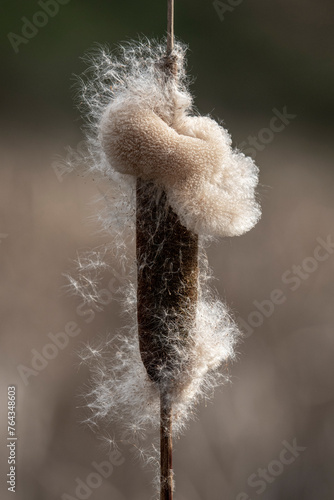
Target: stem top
[170,27]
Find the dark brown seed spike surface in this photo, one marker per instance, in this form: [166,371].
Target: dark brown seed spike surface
[167,281]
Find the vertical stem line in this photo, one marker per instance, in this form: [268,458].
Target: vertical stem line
[166,444]
[170,26]
[166,448]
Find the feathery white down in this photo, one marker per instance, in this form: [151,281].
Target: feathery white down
[209,185]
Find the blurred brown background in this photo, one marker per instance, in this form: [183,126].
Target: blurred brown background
[251,60]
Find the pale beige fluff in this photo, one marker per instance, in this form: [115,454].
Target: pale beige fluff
[209,185]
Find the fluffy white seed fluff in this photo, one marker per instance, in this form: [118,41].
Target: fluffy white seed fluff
[139,125]
[121,390]
[152,135]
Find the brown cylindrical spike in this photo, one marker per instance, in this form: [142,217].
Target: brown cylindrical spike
[167,276]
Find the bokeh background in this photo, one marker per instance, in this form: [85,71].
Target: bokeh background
[247,59]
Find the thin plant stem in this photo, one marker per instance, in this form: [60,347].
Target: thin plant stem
[170,26]
[166,448]
[166,442]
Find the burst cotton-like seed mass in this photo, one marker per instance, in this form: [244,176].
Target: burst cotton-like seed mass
[142,125]
[147,131]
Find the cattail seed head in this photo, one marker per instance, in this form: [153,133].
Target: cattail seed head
[144,140]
